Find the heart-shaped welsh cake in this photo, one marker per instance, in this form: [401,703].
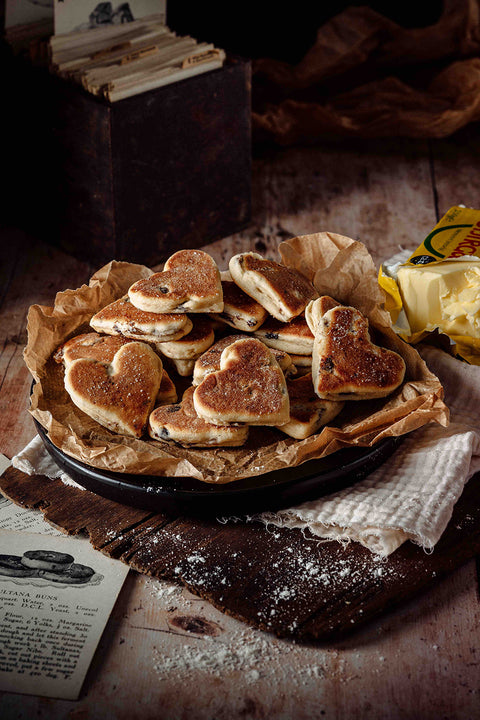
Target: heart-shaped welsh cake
[103,348]
[189,282]
[121,317]
[308,413]
[192,345]
[90,345]
[119,395]
[346,365]
[240,311]
[181,424]
[209,361]
[249,388]
[316,309]
[282,291]
[294,336]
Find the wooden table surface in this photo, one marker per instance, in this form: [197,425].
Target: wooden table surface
[168,654]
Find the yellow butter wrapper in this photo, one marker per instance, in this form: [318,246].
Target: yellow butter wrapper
[457,234]
[437,288]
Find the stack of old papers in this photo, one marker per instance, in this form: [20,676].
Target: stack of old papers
[118,61]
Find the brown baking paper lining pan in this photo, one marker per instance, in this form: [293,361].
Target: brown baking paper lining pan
[339,267]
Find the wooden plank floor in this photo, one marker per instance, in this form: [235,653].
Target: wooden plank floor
[167,654]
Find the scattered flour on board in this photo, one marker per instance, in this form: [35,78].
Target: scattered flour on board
[243,653]
[246,655]
[246,652]
[299,574]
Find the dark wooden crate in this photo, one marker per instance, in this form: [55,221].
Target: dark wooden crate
[143,177]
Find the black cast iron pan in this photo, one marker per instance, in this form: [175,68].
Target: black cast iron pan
[269,491]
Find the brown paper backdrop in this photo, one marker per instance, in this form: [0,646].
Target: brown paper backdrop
[338,266]
[366,76]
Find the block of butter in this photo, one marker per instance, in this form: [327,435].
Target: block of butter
[438,287]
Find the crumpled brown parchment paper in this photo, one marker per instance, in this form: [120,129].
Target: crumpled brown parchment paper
[338,266]
[366,76]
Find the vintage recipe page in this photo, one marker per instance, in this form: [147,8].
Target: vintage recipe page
[56,595]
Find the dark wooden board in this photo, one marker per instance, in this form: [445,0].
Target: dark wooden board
[282,581]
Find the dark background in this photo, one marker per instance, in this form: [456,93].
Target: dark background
[284,31]
[247,28]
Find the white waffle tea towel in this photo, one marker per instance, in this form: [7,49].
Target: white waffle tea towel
[411,496]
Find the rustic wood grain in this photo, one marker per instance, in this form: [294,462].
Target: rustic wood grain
[32,273]
[455,166]
[419,659]
[285,582]
[377,192]
[161,656]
